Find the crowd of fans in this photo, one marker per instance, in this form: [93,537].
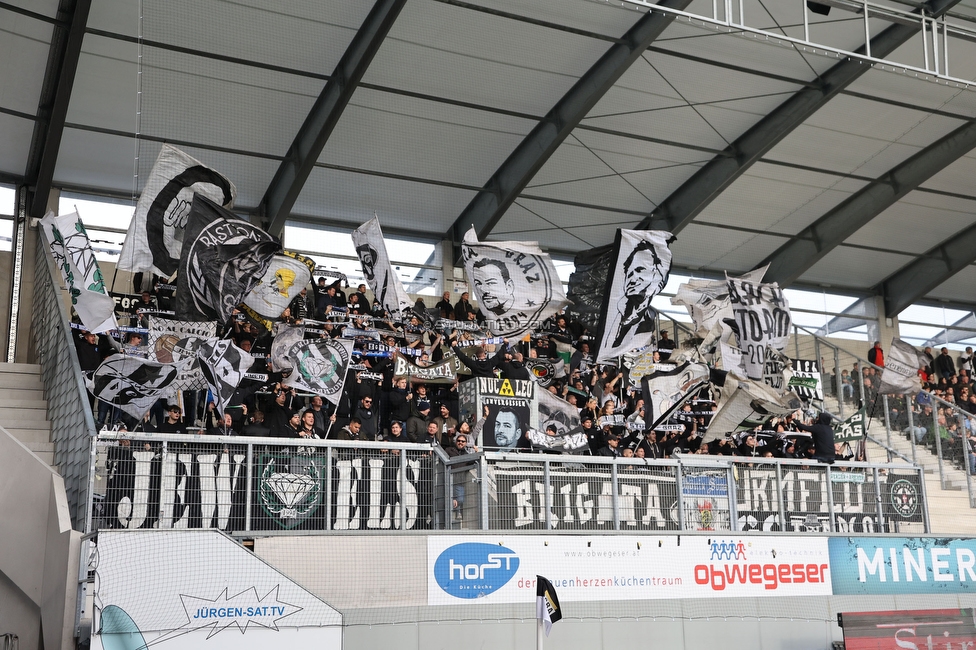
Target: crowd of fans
[375,406]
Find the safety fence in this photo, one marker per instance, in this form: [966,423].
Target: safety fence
[68,408]
[244,485]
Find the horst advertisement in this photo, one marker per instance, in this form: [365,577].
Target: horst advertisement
[184,589]
[464,569]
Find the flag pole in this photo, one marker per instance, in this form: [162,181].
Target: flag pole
[539,634]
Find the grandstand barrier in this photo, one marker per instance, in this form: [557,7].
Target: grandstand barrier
[245,485]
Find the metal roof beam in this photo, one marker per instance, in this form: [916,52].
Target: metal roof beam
[695,194]
[287,184]
[911,282]
[794,258]
[52,110]
[488,206]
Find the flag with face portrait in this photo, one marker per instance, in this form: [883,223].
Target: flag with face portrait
[131,383]
[641,269]
[319,366]
[761,318]
[68,243]
[287,274]
[224,365]
[380,274]
[223,258]
[156,233]
[515,283]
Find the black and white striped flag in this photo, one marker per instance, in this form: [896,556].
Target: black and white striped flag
[547,607]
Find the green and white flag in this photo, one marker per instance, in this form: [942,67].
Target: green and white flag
[68,242]
[850,430]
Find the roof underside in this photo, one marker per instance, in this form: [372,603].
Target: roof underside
[455,93]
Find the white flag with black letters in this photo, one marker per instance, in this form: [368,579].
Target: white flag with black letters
[515,283]
[900,373]
[762,318]
[155,237]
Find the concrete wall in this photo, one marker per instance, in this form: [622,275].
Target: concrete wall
[39,553]
[379,584]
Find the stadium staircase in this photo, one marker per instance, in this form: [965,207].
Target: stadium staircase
[23,408]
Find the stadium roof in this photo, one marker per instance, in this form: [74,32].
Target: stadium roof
[760,140]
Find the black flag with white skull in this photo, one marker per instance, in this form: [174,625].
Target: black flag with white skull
[223,258]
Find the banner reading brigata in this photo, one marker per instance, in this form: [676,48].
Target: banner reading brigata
[461,569]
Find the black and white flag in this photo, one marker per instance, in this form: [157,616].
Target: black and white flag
[155,238]
[664,391]
[707,301]
[223,258]
[319,366]
[131,383]
[515,283]
[287,274]
[287,336]
[166,344]
[762,318]
[807,382]
[588,285]
[224,365]
[900,374]
[747,404]
[641,269]
[380,274]
[547,607]
[564,418]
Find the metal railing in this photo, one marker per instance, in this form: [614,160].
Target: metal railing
[246,485]
[687,493]
[68,408]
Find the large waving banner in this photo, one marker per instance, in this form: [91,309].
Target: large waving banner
[762,318]
[72,253]
[165,336]
[707,301]
[380,274]
[516,284]
[643,264]
[155,238]
[900,374]
[131,383]
[223,258]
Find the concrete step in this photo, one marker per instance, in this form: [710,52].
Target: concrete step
[22,394]
[21,380]
[32,402]
[31,435]
[38,447]
[34,368]
[32,413]
[22,422]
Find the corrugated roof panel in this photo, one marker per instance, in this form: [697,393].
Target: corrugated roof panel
[957,177]
[610,192]
[958,287]
[24,45]
[917,223]
[106,68]
[854,267]
[353,198]
[488,60]
[412,137]
[15,139]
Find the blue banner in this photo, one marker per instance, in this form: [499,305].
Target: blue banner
[902,565]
